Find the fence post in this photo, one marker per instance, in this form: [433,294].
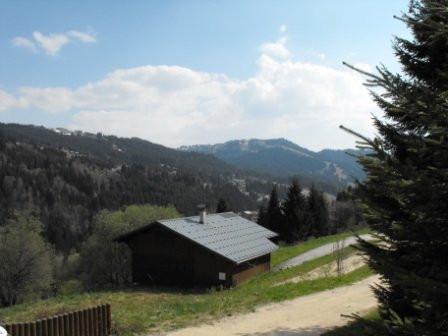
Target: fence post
[39,326]
[109,319]
[85,316]
[33,329]
[55,326]
[21,329]
[90,315]
[104,318]
[27,329]
[44,328]
[99,312]
[94,322]
[82,332]
[71,329]
[66,329]
[61,328]
[50,330]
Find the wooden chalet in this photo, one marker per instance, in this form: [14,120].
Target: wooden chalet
[205,250]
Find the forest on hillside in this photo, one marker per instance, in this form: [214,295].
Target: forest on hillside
[65,189]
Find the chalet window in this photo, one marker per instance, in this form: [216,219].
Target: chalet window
[221,276]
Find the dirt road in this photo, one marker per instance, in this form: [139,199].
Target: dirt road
[305,316]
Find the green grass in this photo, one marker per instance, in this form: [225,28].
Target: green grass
[150,310]
[286,252]
[357,328]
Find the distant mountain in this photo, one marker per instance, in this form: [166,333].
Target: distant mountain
[283,158]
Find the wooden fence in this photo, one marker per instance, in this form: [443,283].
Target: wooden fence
[95,321]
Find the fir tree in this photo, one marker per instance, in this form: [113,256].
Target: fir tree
[221,206]
[262,216]
[294,209]
[317,222]
[274,216]
[406,190]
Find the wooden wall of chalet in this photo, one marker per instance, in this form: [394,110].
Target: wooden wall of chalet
[251,268]
[162,257]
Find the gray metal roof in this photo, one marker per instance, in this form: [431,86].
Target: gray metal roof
[226,234]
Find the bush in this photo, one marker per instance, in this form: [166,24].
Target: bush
[70,287]
[25,260]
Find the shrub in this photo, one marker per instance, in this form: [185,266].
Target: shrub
[25,260]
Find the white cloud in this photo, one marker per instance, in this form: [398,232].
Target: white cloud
[173,105]
[276,49]
[52,43]
[83,37]
[9,102]
[23,42]
[283,28]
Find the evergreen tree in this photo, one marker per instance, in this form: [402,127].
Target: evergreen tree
[294,209]
[221,206]
[406,190]
[274,216]
[262,216]
[317,214]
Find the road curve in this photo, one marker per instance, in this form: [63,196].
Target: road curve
[317,252]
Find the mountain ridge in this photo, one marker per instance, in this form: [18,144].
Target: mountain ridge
[282,158]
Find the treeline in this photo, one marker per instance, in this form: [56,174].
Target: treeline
[302,215]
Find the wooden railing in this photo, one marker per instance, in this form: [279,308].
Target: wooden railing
[95,321]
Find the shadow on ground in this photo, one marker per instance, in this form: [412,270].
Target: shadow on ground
[312,331]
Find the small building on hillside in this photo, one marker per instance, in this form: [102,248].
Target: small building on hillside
[205,250]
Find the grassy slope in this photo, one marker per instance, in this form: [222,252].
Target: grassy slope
[144,310]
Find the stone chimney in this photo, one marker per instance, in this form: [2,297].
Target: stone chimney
[202,213]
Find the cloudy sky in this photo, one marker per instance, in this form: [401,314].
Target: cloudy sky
[189,72]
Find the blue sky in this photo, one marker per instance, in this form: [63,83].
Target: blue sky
[182,72]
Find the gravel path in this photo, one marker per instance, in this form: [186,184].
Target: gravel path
[309,315]
[317,252]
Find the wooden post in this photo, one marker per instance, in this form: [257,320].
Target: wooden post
[26,329]
[99,311]
[85,318]
[21,329]
[39,328]
[55,326]
[13,329]
[108,319]
[104,318]
[45,328]
[90,321]
[81,331]
[61,325]
[71,325]
[50,330]
[66,328]
[33,329]
[95,321]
